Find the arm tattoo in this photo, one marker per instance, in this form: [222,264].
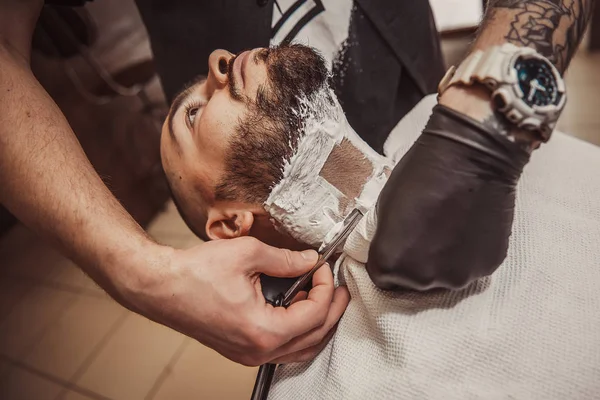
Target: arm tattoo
[552,27]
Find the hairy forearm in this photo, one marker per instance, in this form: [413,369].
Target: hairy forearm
[49,184]
[45,178]
[554,28]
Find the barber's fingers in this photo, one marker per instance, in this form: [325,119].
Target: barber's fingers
[340,301]
[272,261]
[299,297]
[304,316]
[308,353]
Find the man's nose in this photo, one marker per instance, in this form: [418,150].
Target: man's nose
[218,62]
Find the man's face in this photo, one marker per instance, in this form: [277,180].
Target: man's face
[202,120]
[234,124]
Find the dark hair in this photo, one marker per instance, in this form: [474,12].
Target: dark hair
[269,134]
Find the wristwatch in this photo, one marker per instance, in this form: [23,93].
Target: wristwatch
[525,87]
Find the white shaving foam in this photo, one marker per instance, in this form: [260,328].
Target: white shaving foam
[303,203]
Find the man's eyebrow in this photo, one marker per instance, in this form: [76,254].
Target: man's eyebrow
[179,100]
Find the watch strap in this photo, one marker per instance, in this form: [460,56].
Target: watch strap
[479,67]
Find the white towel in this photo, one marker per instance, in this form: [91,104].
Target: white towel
[531,331]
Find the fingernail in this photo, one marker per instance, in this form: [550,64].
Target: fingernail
[310,255]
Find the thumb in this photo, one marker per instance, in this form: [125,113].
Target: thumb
[283,263]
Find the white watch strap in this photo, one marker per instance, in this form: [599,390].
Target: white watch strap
[479,67]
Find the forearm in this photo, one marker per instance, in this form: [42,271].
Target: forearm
[49,184]
[554,28]
[17,23]
[462,172]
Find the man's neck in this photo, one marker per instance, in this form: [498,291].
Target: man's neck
[349,168]
[315,196]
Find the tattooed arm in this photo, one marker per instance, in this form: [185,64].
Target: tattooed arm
[456,224]
[552,27]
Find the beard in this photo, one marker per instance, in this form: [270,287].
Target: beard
[293,71]
[268,135]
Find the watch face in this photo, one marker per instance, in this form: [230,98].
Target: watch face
[537,82]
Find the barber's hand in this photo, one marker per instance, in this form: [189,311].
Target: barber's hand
[212,293]
[445,215]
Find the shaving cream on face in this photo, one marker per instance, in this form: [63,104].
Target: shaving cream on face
[381,169]
[303,203]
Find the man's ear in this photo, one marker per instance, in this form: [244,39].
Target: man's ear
[228,223]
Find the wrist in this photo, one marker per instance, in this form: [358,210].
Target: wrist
[474,102]
[141,274]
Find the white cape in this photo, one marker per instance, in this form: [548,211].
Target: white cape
[530,331]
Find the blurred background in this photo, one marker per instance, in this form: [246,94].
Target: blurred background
[62,337]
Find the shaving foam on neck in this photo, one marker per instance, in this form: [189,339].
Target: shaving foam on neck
[303,203]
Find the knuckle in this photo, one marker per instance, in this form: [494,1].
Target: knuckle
[261,345]
[321,317]
[265,343]
[397,269]
[317,339]
[381,281]
[396,275]
[250,246]
[264,360]
[308,355]
[384,258]
[249,361]
[289,258]
[255,341]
